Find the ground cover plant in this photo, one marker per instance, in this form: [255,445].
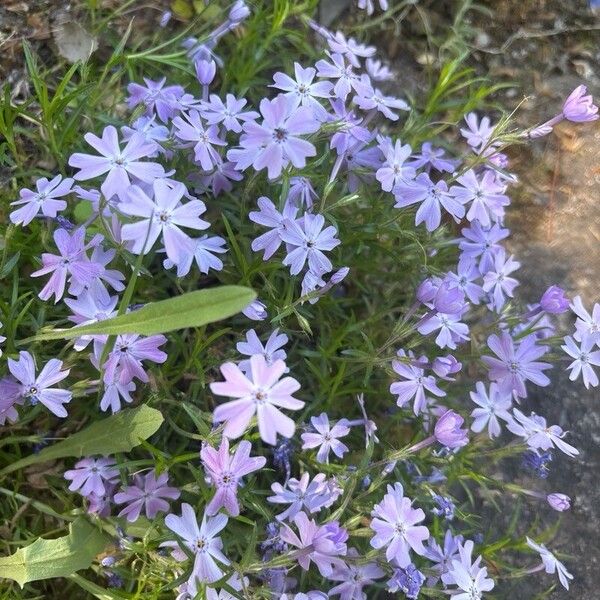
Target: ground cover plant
[261,331]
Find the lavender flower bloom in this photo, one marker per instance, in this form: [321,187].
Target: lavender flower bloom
[304,91]
[72,262]
[442,557]
[354,577]
[302,494]
[492,406]
[349,131]
[323,544]
[554,300]
[433,197]
[586,325]
[201,541]
[101,504]
[432,157]
[39,389]
[259,393]
[326,437]
[89,307]
[447,430]
[114,392]
[272,350]
[369,5]
[394,172]
[230,112]
[443,366]
[205,71]
[451,330]
[482,243]
[408,580]
[148,493]
[256,311]
[584,359]
[449,298]
[464,278]
[10,395]
[579,107]
[515,365]
[310,240]
[150,131]
[550,563]
[470,578]
[90,476]
[497,281]
[559,502]
[156,97]
[415,385]
[162,215]
[119,164]
[275,142]
[445,507]
[373,99]
[270,217]
[44,200]
[486,196]
[477,133]
[349,47]
[203,251]
[395,526]
[347,79]
[191,129]
[226,471]
[301,193]
[377,70]
[537,462]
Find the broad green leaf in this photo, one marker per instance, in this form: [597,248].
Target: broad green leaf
[117,433]
[193,309]
[45,559]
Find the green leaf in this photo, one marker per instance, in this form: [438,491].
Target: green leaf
[117,433]
[96,590]
[193,309]
[45,559]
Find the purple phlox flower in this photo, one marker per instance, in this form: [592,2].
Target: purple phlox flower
[124,362]
[269,216]
[220,179]
[256,311]
[156,97]
[338,69]
[189,589]
[163,215]
[238,12]
[550,563]
[350,48]
[449,298]
[275,143]
[202,541]
[554,300]
[451,330]
[486,196]
[226,471]
[579,106]
[120,165]
[373,99]
[112,277]
[190,129]
[316,286]
[10,395]
[114,392]
[447,430]
[272,350]
[90,475]
[514,364]
[432,196]
[230,112]
[477,133]
[44,200]
[536,433]
[408,580]
[72,262]
[326,437]
[445,507]
[395,526]
[301,193]
[492,406]
[586,325]
[205,71]
[536,323]
[394,171]
[471,579]
[39,389]
[258,393]
[348,129]
[464,278]
[442,556]
[303,90]
[444,366]
[369,5]
[312,595]
[559,502]
[325,542]
[482,243]
[101,504]
[360,162]
[416,383]
[497,282]
[149,493]
[201,51]
[377,70]
[303,494]
[432,157]
[538,462]
[309,240]
[354,577]
[203,250]
[584,357]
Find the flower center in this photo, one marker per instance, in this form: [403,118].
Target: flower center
[201,545]
[260,396]
[279,134]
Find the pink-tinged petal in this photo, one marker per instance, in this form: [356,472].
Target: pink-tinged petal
[272,421]
[236,414]
[264,375]
[236,384]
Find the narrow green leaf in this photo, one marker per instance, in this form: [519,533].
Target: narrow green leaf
[193,309]
[97,591]
[46,559]
[118,433]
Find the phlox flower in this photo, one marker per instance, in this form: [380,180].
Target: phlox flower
[482,243]
[259,393]
[464,279]
[408,580]
[395,526]
[149,493]
[369,5]
[114,392]
[559,502]
[10,397]
[377,70]
[350,48]
[554,301]
[586,325]
[40,388]
[44,200]
[432,157]
[344,74]
[269,216]
[326,438]
[91,475]
[447,430]
[497,281]
[190,128]
[472,582]
[272,350]
[477,133]
[203,251]
[584,357]
[226,472]
[101,504]
[579,107]
[202,541]
[230,112]
[442,556]
[156,97]
[152,132]
[492,406]
[348,129]
[354,576]
[451,331]
[301,192]
[256,311]
[394,171]
[373,99]
[550,563]
[120,165]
